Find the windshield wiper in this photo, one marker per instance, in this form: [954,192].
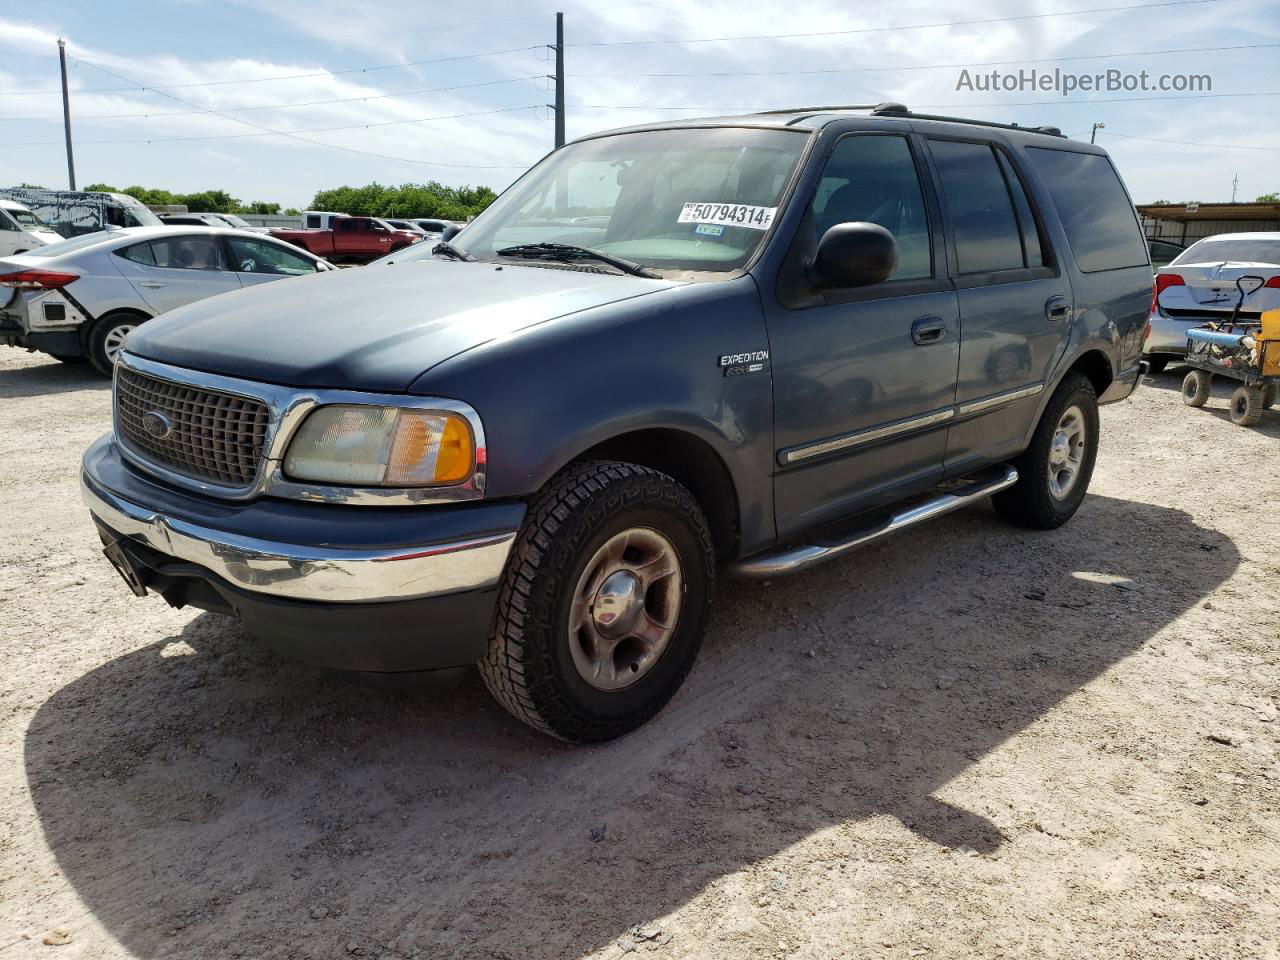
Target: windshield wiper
[570,251]
[449,250]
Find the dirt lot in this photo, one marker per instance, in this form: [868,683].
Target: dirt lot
[970,741]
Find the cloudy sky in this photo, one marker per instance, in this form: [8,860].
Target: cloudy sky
[183,93]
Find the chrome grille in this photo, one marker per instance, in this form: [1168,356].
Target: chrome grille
[214,436]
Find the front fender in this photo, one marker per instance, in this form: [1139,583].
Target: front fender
[555,390]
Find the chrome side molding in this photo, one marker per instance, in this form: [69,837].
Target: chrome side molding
[784,560]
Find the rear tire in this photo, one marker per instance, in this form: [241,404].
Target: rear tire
[1055,470]
[1246,406]
[569,586]
[1195,388]
[106,339]
[1268,396]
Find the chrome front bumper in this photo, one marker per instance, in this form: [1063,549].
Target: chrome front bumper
[301,572]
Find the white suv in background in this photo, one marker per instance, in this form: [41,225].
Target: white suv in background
[21,230]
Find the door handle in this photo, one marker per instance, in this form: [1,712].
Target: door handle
[151,284]
[1056,308]
[927,330]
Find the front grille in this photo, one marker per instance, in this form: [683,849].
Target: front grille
[213,436]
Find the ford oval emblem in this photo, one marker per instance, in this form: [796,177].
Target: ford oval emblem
[157,424]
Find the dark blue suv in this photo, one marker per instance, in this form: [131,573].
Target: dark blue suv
[742,345]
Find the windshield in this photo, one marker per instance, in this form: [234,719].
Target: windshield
[27,219]
[232,219]
[697,200]
[1241,250]
[132,213]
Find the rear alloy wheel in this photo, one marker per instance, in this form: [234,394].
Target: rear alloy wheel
[1195,388]
[603,603]
[1246,406]
[106,340]
[1054,471]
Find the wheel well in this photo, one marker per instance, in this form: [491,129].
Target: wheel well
[690,461]
[1094,365]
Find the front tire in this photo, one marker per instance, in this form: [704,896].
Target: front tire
[1055,470]
[1195,388]
[603,604]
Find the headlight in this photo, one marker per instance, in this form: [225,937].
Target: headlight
[361,446]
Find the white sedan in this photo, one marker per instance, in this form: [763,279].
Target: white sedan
[1199,286]
[79,298]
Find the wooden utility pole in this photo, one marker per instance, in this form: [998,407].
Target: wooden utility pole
[559,79]
[66,113]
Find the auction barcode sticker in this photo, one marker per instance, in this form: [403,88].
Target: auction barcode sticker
[731,214]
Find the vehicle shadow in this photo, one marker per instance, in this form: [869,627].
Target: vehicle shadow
[206,799]
[41,379]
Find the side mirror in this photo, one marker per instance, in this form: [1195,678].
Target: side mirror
[855,254]
[450,231]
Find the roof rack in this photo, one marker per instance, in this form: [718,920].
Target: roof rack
[900,110]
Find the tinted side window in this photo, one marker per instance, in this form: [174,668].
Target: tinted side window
[873,179]
[255,256]
[1101,224]
[346,226]
[313,222]
[138,253]
[187,253]
[983,224]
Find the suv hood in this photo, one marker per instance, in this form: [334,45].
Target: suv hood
[376,328]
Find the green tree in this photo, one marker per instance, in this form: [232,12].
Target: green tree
[431,199]
[1269,198]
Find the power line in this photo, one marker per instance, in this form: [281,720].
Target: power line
[912,26]
[266,133]
[929,66]
[293,76]
[1187,143]
[287,106]
[314,143]
[931,106]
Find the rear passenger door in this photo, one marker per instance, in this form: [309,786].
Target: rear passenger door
[1015,303]
[172,271]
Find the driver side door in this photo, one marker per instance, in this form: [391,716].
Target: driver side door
[864,378]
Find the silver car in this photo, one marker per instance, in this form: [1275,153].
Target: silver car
[1199,286]
[80,298]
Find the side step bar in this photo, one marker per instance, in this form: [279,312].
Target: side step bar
[784,560]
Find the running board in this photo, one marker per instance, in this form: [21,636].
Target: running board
[775,563]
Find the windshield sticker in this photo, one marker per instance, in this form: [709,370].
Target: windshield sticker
[708,230]
[729,214]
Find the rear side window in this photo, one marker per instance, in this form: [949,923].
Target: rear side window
[1101,224]
[181,253]
[313,222]
[983,223]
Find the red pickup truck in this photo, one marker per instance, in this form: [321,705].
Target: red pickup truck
[351,239]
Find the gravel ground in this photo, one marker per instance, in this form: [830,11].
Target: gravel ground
[970,741]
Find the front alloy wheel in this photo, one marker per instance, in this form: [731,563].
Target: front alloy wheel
[625,608]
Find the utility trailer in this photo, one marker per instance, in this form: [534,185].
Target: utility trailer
[1246,351]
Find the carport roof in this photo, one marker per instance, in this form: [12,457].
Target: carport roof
[1179,213]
